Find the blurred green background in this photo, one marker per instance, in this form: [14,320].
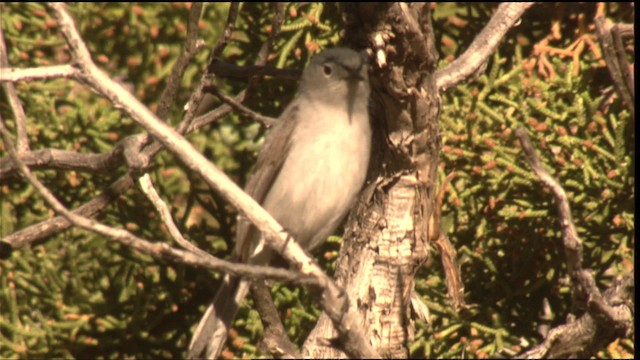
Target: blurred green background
[80,295]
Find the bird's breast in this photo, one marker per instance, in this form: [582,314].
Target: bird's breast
[324,171]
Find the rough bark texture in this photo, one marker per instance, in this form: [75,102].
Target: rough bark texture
[386,240]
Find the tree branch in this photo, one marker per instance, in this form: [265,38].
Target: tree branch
[39,73]
[482,47]
[158,250]
[607,317]
[64,160]
[266,121]
[333,301]
[60,160]
[275,340]
[50,227]
[189,50]
[165,214]
[22,138]
[232,16]
[610,38]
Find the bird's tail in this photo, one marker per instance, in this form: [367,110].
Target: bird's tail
[211,333]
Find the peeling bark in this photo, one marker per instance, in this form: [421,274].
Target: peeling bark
[386,240]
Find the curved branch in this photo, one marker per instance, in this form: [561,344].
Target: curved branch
[189,50]
[333,301]
[482,47]
[221,43]
[266,121]
[22,139]
[610,38]
[159,250]
[165,214]
[47,228]
[608,316]
[63,160]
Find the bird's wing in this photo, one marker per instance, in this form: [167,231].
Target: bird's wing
[211,333]
[272,157]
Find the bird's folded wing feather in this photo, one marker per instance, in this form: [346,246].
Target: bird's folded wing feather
[272,157]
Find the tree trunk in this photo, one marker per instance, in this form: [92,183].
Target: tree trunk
[387,235]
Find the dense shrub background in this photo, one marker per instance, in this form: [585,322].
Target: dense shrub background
[79,295]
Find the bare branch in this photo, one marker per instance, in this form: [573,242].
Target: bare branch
[483,46]
[63,160]
[334,301]
[448,254]
[622,60]
[40,231]
[50,227]
[275,340]
[607,317]
[213,115]
[626,30]
[611,42]
[583,337]
[39,73]
[572,243]
[455,286]
[126,150]
[158,250]
[68,71]
[234,9]
[189,50]
[264,120]
[22,139]
[165,214]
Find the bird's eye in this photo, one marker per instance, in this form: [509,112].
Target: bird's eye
[327,69]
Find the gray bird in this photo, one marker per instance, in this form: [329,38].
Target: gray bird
[308,175]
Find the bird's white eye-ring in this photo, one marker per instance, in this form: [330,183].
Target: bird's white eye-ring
[327,69]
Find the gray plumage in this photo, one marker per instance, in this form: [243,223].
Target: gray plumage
[308,175]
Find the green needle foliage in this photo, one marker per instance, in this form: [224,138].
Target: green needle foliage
[80,295]
[501,219]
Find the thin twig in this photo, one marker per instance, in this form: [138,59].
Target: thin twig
[278,10]
[165,214]
[263,55]
[211,116]
[38,232]
[63,160]
[616,63]
[572,243]
[189,50]
[39,73]
[264,120]
[221,43]
[45,229]
[22,138]
[274,340]
[448,253]
[483,46]
[158,250]
[610,318]
[622,60]
[333,301]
